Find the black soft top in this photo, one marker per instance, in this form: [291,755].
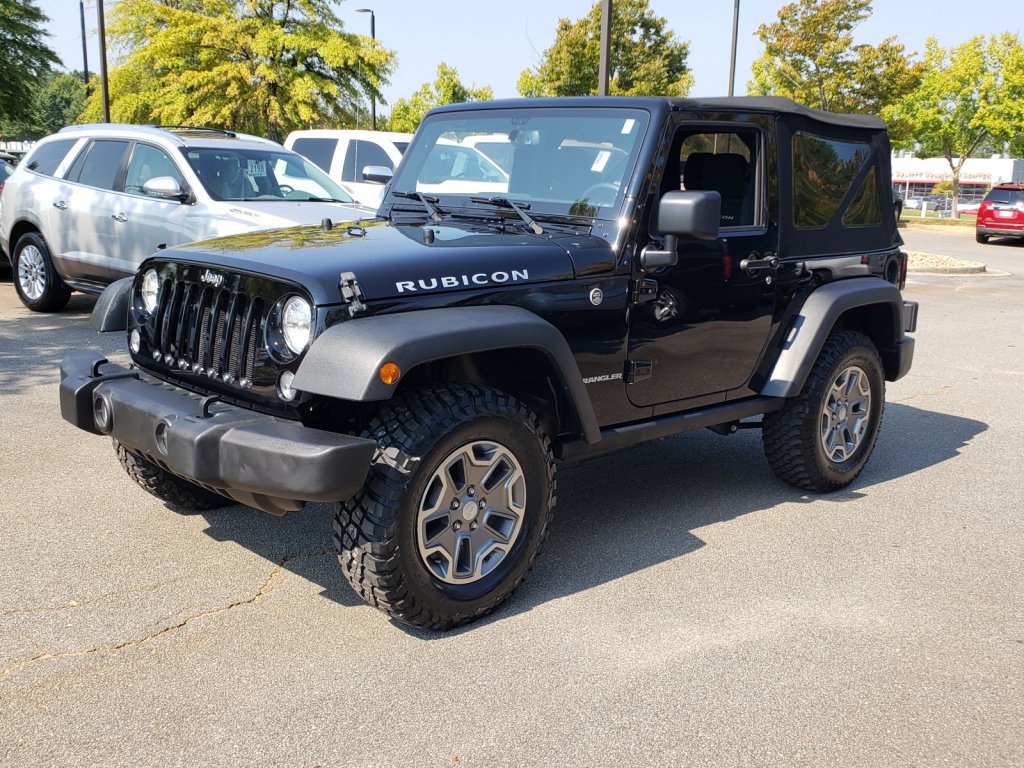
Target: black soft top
[771,104]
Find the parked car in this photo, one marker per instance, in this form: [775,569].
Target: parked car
[362,161]
[968,206]
[6,169]
[91,202]
[1001,213]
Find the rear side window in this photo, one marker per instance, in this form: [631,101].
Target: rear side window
[823,172]
[1005,196]
[99,165]
[46,157]
[319,151]
[361,154]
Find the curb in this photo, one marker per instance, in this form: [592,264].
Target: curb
[936,264]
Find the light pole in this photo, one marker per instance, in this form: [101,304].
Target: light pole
[85,50]
[735,34]
[373,36]
[104,84]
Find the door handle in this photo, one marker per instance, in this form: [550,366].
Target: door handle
[769,262]
[119,216]
[60,204]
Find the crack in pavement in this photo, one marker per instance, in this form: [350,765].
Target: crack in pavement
[934,393]
[267,585]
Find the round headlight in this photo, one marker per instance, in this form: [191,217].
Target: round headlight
[296,320]
[150,289]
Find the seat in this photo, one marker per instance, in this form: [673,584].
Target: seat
[727,175]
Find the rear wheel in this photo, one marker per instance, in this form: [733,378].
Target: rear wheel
[36,281]
[821,440]
[980,238]
[454,510]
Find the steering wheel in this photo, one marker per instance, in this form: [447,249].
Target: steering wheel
[596,194]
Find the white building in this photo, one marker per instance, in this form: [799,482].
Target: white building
[915,176]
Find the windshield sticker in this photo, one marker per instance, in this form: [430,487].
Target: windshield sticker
[600,161]
[627,127]
[257,168]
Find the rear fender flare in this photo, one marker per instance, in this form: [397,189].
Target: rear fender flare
[344,360]
[818,316]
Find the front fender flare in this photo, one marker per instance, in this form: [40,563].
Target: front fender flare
[818,315]
[344,360]
[111,310]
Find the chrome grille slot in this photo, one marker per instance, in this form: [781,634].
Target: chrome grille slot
[206,330]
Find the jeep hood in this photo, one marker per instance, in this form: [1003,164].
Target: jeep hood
[390,260]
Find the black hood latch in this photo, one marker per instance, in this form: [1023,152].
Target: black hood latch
[351,293]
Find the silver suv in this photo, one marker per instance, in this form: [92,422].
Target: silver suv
[91,202]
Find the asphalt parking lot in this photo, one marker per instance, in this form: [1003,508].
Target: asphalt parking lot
[689,608]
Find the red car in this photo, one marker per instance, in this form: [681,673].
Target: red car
[1001,213]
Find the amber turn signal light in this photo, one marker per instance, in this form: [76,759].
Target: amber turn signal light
[389,373]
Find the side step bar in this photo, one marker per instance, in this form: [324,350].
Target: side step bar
[626,435]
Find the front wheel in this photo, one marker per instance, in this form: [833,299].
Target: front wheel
[455,508]
[821,440]
[36,281]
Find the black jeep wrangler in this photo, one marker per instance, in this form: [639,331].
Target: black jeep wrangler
[546,280]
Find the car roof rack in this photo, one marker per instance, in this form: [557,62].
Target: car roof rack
[195,128]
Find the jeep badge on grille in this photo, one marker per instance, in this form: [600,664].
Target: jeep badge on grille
[212,278]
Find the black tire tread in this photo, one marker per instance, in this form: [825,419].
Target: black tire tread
[788,435]
[165,486]
[366,526]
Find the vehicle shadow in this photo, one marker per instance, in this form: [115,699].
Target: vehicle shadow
[606,528]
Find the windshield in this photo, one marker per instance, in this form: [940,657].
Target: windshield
[551,160]
[252,174]
[1002,196]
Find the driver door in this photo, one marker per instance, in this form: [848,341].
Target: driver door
[704,332]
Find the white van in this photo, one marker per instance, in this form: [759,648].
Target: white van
[351,157]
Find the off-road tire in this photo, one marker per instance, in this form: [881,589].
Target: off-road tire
[980,238]
[165,486]
[791,438]
[375,532]
[55,293]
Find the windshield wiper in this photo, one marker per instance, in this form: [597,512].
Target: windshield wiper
[519,208]
[425,199]
[324,200]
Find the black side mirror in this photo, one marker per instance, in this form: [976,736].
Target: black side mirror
[681,213]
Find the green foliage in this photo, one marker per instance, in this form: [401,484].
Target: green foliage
[24,58]
[943,188]
[446,89]
[970,95]
[647,59]
[56,102]
[259,66]
[810,57]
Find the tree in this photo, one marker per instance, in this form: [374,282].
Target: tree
[259,66]
[25,59]
[407,114]
[969,95]
[647,59]
[56,102]
[810,57]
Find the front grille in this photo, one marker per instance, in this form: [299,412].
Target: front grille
[207,330]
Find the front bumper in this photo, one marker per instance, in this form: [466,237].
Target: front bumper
[263,461]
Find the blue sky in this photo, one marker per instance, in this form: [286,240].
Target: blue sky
[491,42]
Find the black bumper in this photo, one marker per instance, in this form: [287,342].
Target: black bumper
[263,461]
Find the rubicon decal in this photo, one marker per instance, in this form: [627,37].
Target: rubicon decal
[456,281]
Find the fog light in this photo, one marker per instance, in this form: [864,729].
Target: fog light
[284,386]
[135,341]
[101,414]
